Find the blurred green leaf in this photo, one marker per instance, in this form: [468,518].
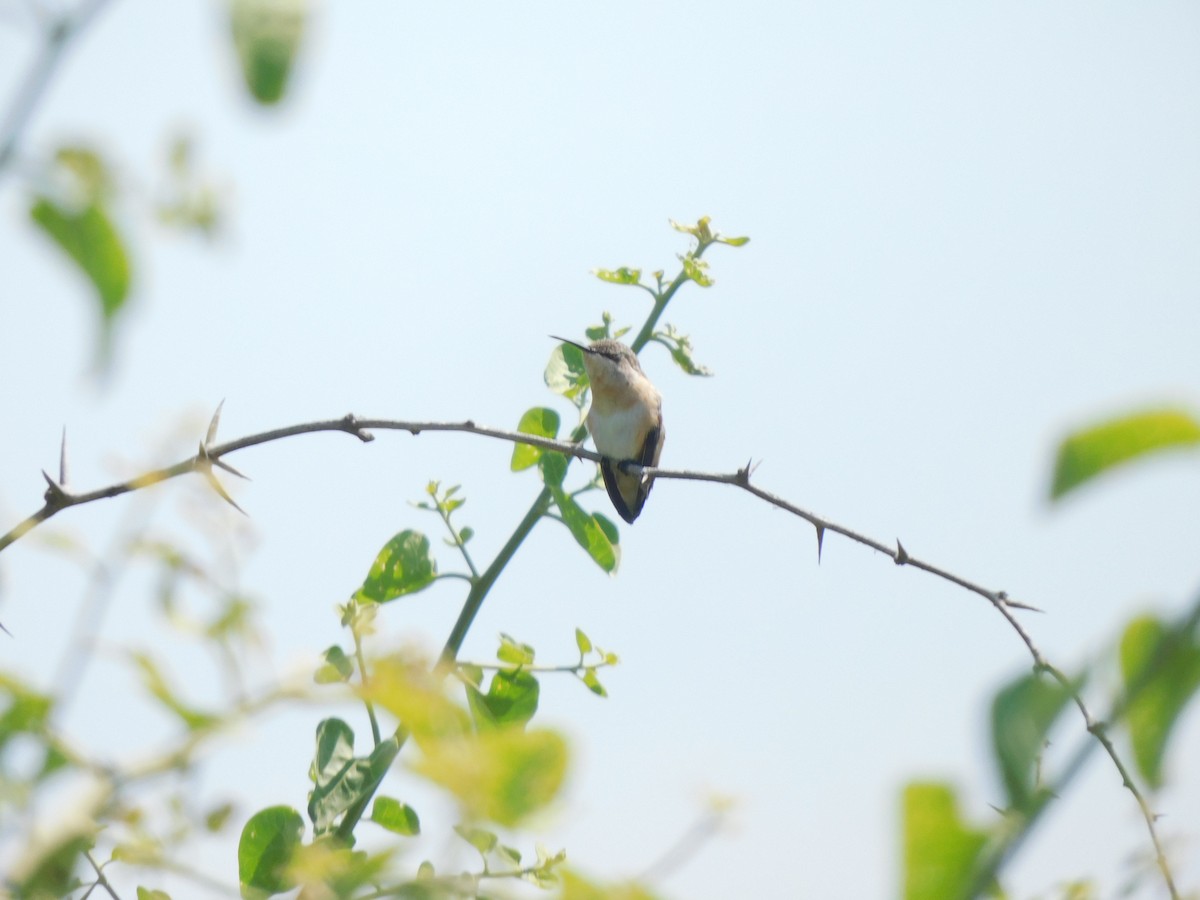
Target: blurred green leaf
[511,700]
[583,642]
[940,850]
[395,816]
[541,422]
[147,894]
[26,709]
[402,567]
[623,275]
[1160,666]
[576,887]
[480,838]
[589,531]
[734,241]
[215,818]
[267,35]
[593,683]
[565,373]
[1022,714]
[1091,451]
[501,775]
[514,652]
[268,843]
[325,869]
[337,667]
[88,236]
[92,180]
[52,873]
[409,691]
[156,684]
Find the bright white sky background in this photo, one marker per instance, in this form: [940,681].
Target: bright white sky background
[974,226]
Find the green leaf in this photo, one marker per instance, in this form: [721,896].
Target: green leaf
[147,894]
[591,532]
[334,773]
[90,239]
[1089,452]
[156,684]
[1022,714]
[565,373]
[734,241]
[267,35]
[623,275]
[1160,666]
[680,346]
[553,467]
[395,816]
[514,652]
[479,838]
[268,843]
[940,850]
[337,667]
[593,683]
[512,698]
[341,779]
[583,642]
[540,422]
[402,567]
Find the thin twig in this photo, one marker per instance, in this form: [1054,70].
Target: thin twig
[57,37]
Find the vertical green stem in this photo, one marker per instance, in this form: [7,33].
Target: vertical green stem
[483,583]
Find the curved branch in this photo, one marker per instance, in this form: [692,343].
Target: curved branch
[58,498]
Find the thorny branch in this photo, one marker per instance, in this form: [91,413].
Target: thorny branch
[59,497]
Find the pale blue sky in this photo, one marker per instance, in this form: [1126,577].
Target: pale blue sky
[973,227]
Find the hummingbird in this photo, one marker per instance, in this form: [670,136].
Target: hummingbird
[625,421]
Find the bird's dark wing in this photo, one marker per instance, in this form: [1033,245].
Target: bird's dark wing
[651,451]
[608,469]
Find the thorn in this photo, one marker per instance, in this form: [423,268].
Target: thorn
[55,492]
[218,461]
[216,486]
[1002,598]
[62,460]
[820,541]
[901,553]
[212,426]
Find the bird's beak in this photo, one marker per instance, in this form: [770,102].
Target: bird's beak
[572,343]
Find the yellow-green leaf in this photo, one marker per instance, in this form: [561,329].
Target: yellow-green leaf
[1160,666]
[940,849]
[540,422]
[88,236]
[501,775]
[1091,451]
[402,567]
